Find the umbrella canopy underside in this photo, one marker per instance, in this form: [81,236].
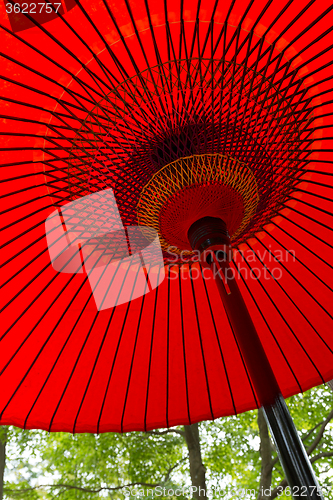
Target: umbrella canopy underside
[106,94]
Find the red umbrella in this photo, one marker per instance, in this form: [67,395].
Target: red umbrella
[185,110]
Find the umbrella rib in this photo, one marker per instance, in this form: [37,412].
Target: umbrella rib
[138,74]
[137,34]
[235,34]
[64,345]
[244,138]
[168,33]
[102,343]
[15,238]
[87,336]
[294,277]
[268,326]
[209,33]
[113,364]
[39,148]
[291,198]
[195,33]
[248,37]
[49,264]
[297,189]
[307,248]
[309,45]
[105,334]
[73,76]
[184,349]
[286,293]
[320,171]
[299,310]
[52,127]
[31,281]
[307,231]
[243,361]
[269,125]
[75,365]
[36,297]
[318,83]
[114,58]
[133,356]
[240,95]
[281,315]
[32,227]
[114,359]
[35,136]
[157,52]
[35,199]
[237,31]
[181,28]
[279,15]
[35,257]
[35,186]
[201,346]
[289,207]
[241,357]
[292,22]
[314,58]
[151,352]
[64,104]
[10,225]
[168,350]
[28,336]
[27,247]
[310,181]
[219,344]
[102,66]
[92,74]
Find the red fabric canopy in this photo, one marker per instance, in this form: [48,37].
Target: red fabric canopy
[168,357]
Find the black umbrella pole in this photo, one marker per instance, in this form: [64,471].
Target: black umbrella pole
[293,457]
[210,237]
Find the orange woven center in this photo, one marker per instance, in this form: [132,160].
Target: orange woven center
[194,187]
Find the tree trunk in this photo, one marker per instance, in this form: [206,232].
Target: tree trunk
[197,468]
[2,460]
[266,458]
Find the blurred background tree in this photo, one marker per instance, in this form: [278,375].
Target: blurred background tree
[221,457]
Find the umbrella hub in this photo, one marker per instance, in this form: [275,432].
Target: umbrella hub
[196,187]
[210,234]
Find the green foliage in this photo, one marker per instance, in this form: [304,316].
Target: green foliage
[231,445]
[90,461]
[93,466]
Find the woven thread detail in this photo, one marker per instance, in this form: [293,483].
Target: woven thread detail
[195,178]
[190,107]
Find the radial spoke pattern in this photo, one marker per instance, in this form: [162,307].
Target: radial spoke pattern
[107,95]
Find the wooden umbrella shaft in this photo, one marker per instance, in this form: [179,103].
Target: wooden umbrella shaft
[293,457]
